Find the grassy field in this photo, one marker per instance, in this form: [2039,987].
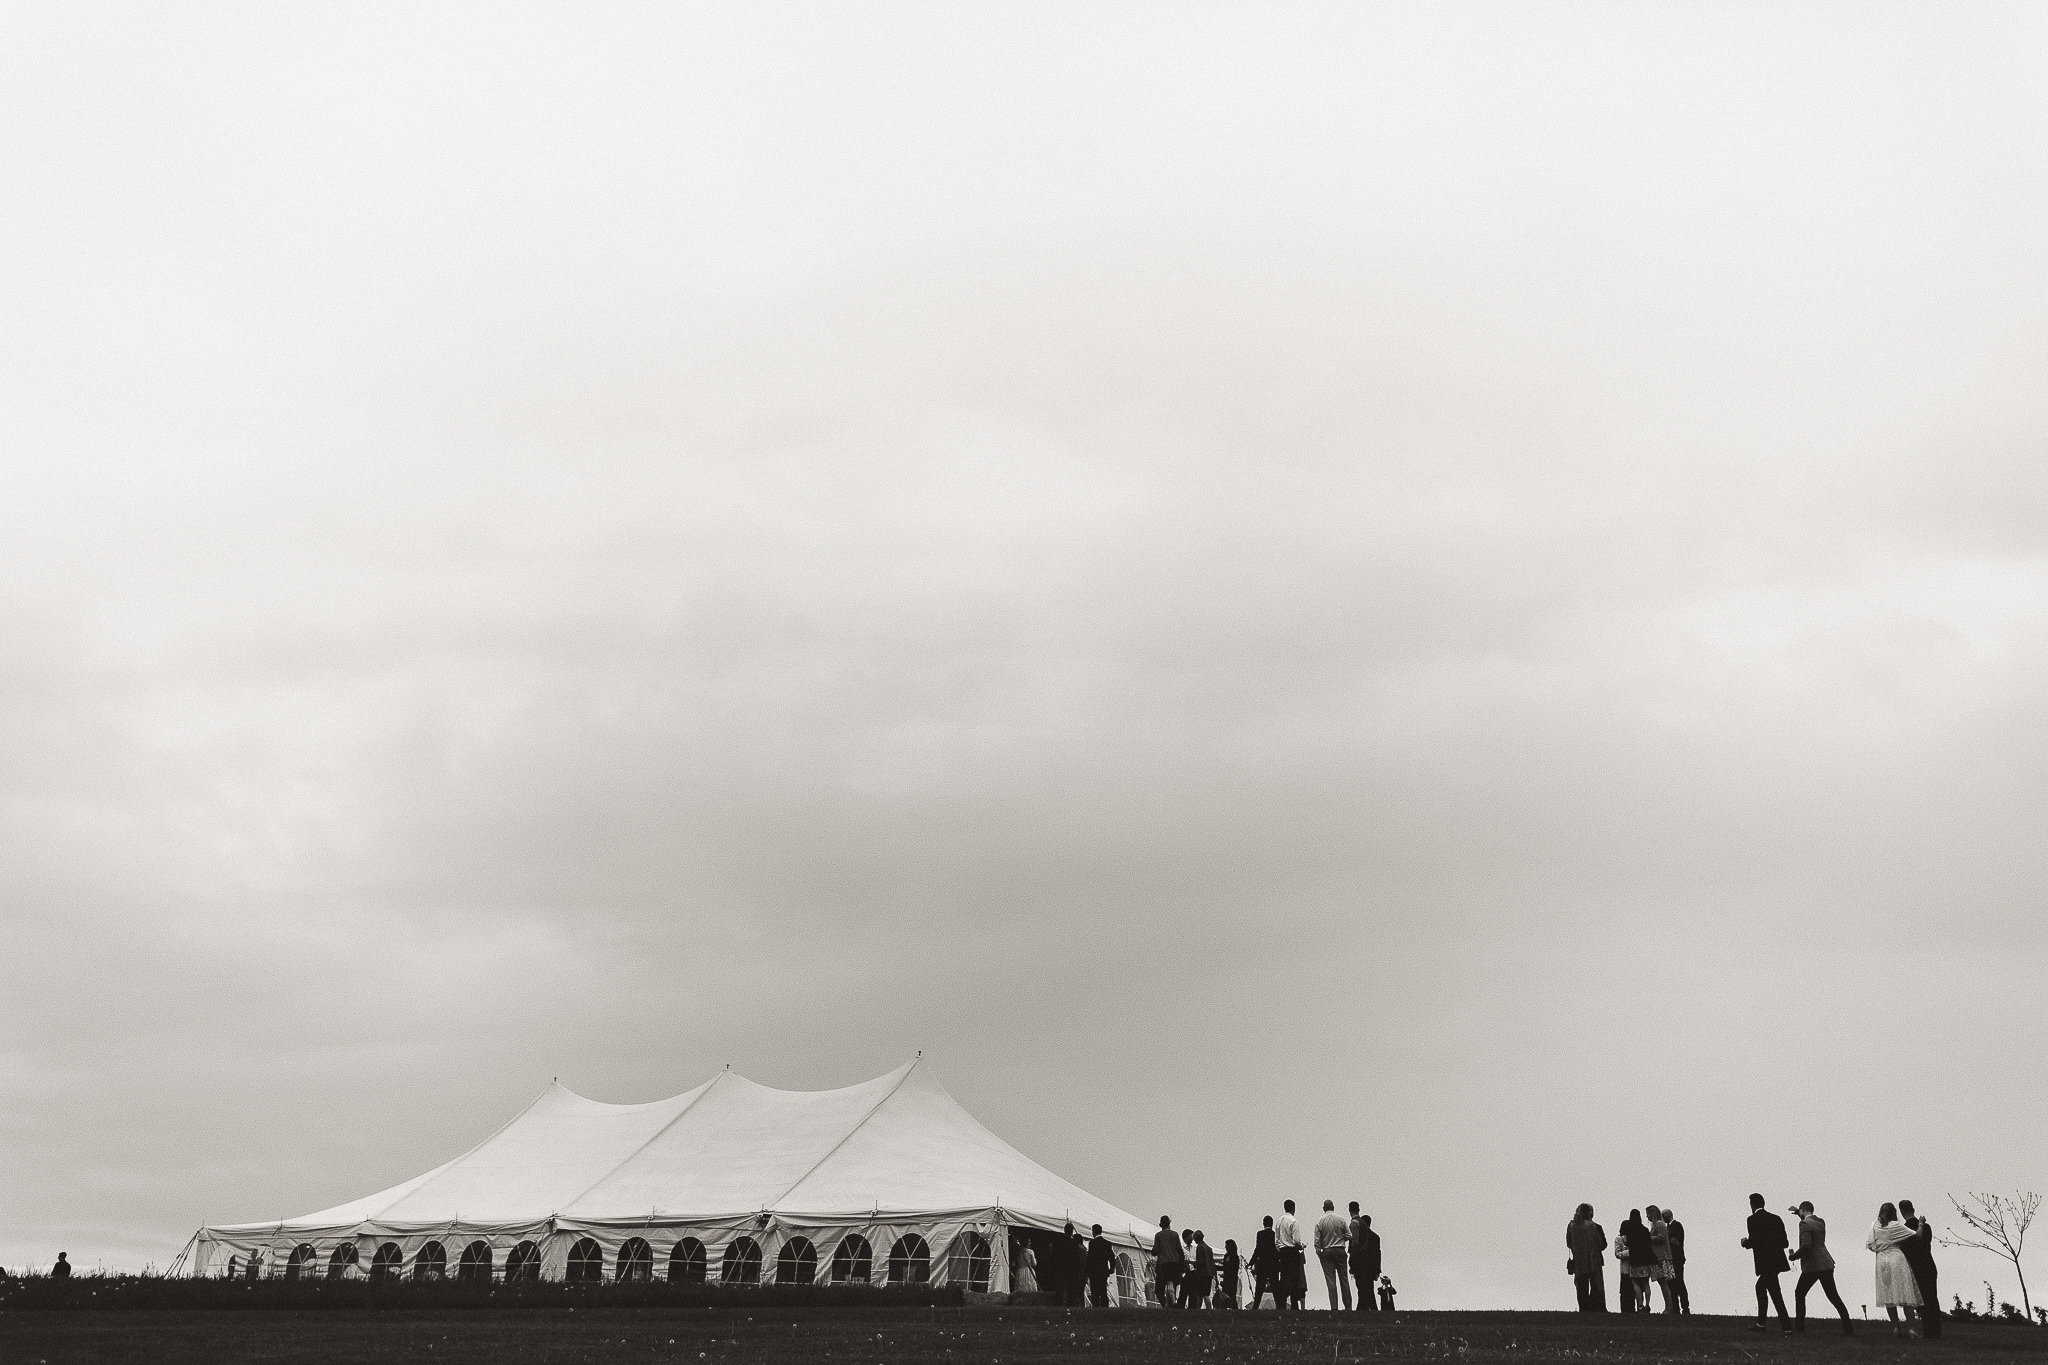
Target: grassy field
[946,1336]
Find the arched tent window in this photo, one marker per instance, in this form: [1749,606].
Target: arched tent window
[853,1262]
[742,1262]
[797,1263]
[910,1260]
[430,1262]
[387,1263]
[1127,1290]
[342,1261]
[636,1260]
[475,1263]
[523,1263]
[686,1262]
[302,1256]
[586,1262]
[968,1262]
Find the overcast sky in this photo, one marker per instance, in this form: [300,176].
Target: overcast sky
[1439,605]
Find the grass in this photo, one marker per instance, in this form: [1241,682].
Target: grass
[743,1335]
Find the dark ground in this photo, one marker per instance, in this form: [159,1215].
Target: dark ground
[946,1336]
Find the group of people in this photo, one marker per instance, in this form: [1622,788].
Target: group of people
[1347,1248]
[1645,1252]
[1908,1286]
[1654,1250]
[1189,1273]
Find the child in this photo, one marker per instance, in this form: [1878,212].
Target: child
[1386,1294]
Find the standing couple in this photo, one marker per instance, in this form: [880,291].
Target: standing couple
[1906,1274]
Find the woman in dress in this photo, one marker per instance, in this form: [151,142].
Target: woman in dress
[1896,1287]
[1643,1265]
[1660,1248]
[1027,1271]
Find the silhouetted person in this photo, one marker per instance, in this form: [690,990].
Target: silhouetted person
[1168,1262]
[1634,1236]
[1293,1256]
[1101,1265]
[1201,1275]
[1231,1268]
[1365,1256]
[1920,1256]
[1332,1234]
[1816,1266]
[1766,1243]
[1073,1259]
[1265,1268]
[1678,1288]
[1587,1242]
[1386,1295]
[61,1270]
[1660,1248]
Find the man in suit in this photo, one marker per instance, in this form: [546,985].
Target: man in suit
[1920,1256]
[1101,1265]
[1067,1254]
[1586,1240]
[1766,1243]
[1365,1257]
[1678,1290]
[1201,1274]
[1265,1268]
[1816,1266]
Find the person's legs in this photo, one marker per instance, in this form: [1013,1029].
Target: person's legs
[1670,1298]
[1827,1285]
[1596,1289]
[1766,1286]
[1930,1303]
[1335,1280]
[1807,1280]
[1678,1288]
[1778,1297]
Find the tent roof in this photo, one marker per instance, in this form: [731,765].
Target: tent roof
[896,1143]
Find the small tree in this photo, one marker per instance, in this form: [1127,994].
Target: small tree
[1999,1225]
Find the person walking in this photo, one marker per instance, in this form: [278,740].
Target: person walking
[1231,1269]
[1101,1265]
[1678,1288]
[1293,1256]
[1168,1261]
[1920,1256]
[1586,1240]
[1766,1243]
[1365,1257]
[1201,1274]
[1816,1267]
[1265,1268]
[1896,1288]
[1333,1235]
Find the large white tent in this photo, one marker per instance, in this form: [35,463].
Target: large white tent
[889,1181]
